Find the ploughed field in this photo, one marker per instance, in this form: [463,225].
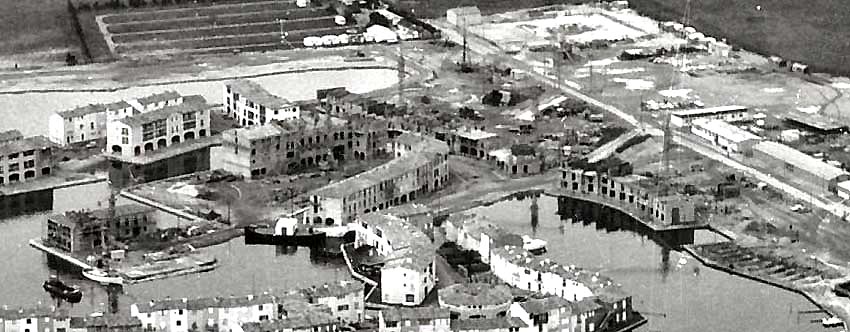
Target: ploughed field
[215,28]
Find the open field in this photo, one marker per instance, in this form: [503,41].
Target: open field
[37,31]
[813,32]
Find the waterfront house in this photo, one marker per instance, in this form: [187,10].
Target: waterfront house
[476,300]
[25,159]
[83,231]
[634,194]
[250,104]
[498,324]
[417,319]
[408,274]
[283,147]
[180,315]
[160,128]
[78,125]
[34,319]
[344,298]
[395,182]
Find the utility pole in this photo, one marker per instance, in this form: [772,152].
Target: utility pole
[283,34]
[463,31]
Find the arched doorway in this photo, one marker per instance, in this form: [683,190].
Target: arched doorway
[329,221]
[148,146]
[116,149]
[189,135]
[175,139]
[161,143]
[317,220]
[45,171]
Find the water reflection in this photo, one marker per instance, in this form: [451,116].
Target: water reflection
[672,288]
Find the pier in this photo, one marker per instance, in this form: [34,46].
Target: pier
[36,243]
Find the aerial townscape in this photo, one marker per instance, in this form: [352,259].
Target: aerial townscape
[424,166]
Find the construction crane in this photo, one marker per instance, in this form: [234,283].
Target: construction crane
[402,103]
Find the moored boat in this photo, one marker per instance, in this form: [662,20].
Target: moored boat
[104,277]
[535,246]
[285,232]
[59,289]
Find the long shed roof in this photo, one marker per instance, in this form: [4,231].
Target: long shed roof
[799,160]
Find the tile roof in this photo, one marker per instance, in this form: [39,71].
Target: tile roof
[335,289]
[190,104]
[121,104]
[82,110]
[10,135]
[32,312]
[474,134]
[26,144]
[111,321]
[158,97]
[799,160]
[479,324]
[544,305]
[206,302]
[587,304]
[412,249]
[397,314]
[474,225]
[475,294]
[305,317]
[278,128]
[255,92]
[521,257]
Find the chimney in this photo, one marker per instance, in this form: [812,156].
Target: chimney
[250,297]
[183,299]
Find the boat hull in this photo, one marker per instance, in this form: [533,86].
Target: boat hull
[252,236]
[68,294]
[103,279]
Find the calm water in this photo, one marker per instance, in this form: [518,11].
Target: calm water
[29,112]
[242,269]
[691,296]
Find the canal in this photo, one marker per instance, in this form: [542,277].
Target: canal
[673,290]
[242,269]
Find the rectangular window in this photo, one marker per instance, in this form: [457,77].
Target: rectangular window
[125,140]
[179,323]
[343,307]
[14,167]
[409,298]
[29,153]
[29,164]
[13,155]
[125,131]
[392,324]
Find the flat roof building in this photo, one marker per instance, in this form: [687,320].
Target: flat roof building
[733,113]
[816,124]
[24,159]
[799,167]
[728,137]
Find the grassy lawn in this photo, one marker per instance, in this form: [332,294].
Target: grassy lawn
[813,32]
[33,26]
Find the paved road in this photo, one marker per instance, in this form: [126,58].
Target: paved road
[609,148]
[481,46]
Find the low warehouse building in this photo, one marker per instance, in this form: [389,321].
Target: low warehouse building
[728,137]
[800,167]
[725,113]
[464,16]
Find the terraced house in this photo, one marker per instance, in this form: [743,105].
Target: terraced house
[25,159]
[89,122]
[250,104]
[283,147]
[422,170]
[34,319]
[157,129]
[408,273]
[417,319]
[180,315]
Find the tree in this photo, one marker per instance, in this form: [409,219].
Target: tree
[70,59]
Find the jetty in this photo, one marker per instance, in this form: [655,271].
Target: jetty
[38,244]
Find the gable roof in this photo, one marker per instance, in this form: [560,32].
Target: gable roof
[395,314]
[158,97]
[190,104]
[255,92]
[544,305]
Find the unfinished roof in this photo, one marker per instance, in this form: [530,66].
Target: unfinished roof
[476,294]
[158,97]
[724,129]
[258,132]
[698,112]
[190,104]
[799,160]
[397,314]
[26,144]
[474,134]
[255,92]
